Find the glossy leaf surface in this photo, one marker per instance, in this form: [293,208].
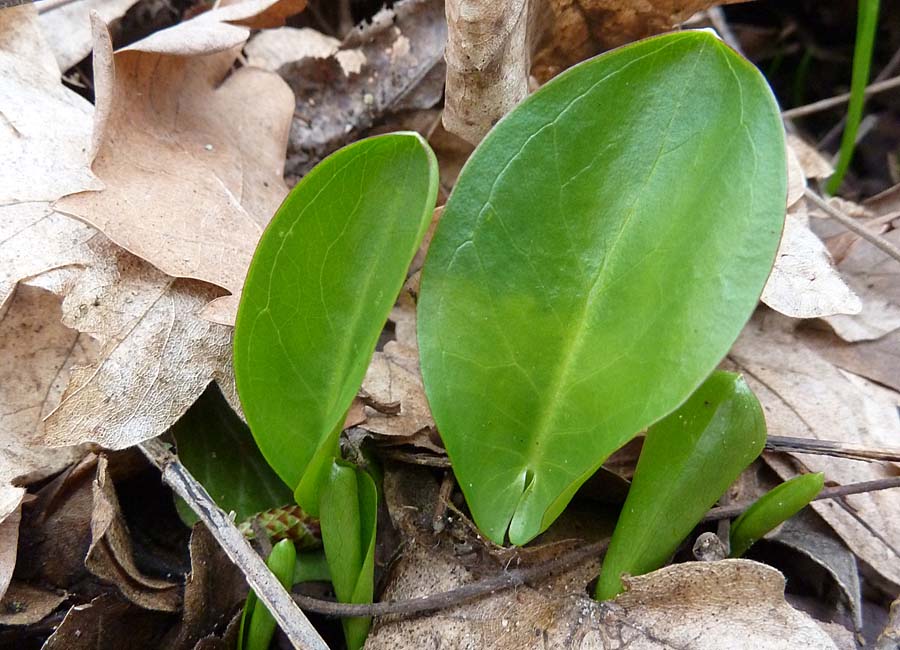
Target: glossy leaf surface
[772,509]
[323,279]
[218,449]
[687,462]
[349,510]
[257,622]
[601,251]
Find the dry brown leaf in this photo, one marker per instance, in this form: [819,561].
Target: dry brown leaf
[399,66]
[156,356]
[273,48]
[26,604]
[191,156]
[110,556]
[805,396]
[109,623]
[68,26]
[878,360]
[45,132]
[803,282]
[393,376]
[875,276]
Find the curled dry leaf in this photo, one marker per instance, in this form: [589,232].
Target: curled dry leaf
[394,64]
[191,156]
[45,131]
[805,396]
[26,604]
[156,355]
[110,556]
[813,163]
[69,25]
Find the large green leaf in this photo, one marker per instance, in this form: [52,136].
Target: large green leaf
[687,462]
[217,448]
[601,251]
[349,516]
[322,282]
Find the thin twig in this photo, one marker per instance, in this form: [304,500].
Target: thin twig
[853,225]
[727,512]
[837,100]
[831,448]
[290,618]
[453,597]
[52,5]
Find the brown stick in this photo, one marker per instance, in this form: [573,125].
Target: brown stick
[853,225]
[290,618]
[727,512]
[837,100]
[446,599]
[831,448]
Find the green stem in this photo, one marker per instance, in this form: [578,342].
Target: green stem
[866,25]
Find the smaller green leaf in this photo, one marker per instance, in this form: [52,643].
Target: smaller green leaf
[261,624]
[348,510]
[324,277]
[773,508]
[688,461]
[218,449]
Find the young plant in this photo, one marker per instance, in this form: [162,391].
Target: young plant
[688,460]
[772,509]
[257,622]
[602,249]
[324,277]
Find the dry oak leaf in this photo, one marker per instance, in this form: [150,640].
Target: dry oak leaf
[45,130]
[156,354]
[10,516]
[806,396]
[68,26]
[273,48]
[191,153]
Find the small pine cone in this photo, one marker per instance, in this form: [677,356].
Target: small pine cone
[287,522]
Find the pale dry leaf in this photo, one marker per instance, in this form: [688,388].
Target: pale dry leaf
[35,239]
[875,276]
[45,132]
[191,154]
[272,48]
[110,555]
[399,66]
[68,26]
[803,282]
[37,353]
[393,376]
[10,516]
[156,357]
[796,177]
[877,360]
[805,396]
